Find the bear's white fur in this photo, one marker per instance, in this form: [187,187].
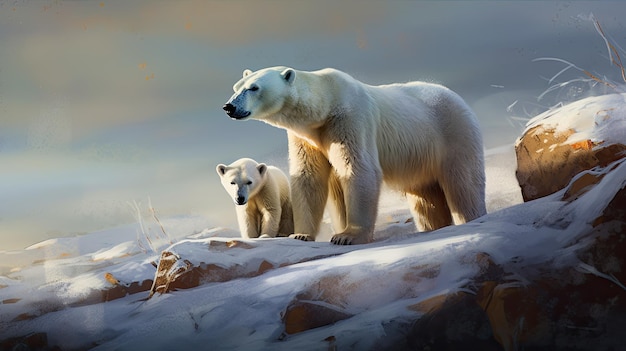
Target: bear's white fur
[262,197]
[346,137]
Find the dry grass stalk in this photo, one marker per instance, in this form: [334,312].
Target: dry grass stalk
[146,239]
[614,58]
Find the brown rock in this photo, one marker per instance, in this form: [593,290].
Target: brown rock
[565,141]
[451,322]
[33,341]
[175,272]
[184,265]
[546,162]
[304,315]
[8,301]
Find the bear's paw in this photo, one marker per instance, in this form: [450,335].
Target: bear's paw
[303,237]
[350,238]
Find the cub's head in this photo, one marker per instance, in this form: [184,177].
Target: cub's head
[242,179]
[261,93]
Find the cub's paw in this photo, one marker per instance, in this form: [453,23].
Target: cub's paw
[265,236]
[303,237]
[349,239]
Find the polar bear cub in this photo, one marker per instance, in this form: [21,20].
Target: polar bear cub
[262,197]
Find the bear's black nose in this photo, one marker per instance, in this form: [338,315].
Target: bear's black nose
[229,108]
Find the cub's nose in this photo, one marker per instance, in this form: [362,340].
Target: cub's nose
[229,108]
[241,200]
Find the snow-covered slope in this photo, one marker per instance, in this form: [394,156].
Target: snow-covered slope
[373,290]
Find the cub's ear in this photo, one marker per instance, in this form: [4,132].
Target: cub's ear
[246,72]
[288,75]
[221,169]
[262,168]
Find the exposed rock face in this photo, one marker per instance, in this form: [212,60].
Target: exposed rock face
[573,308]
[563,142]
[220,260]
[175,272]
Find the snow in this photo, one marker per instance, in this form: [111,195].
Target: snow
[55,286]
[590,119]
[52,279]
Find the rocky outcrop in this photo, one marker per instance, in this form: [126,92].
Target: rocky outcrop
[561,143]
[177,272]
[573,308]
[574,300]
[191,263]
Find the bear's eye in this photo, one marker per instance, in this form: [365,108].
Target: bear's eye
[232,183]
[254,88]
[249,182]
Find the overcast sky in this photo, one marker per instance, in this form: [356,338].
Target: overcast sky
[106,102]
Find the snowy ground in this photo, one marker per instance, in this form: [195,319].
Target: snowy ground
[54,286]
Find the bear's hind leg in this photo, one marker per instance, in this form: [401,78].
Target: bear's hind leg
[429,208]
[466,200]
[337,204]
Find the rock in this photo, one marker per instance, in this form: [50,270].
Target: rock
[174,271]
[562,142]
[303,315]
[452,322]
[33,341]
[191,263]
[547,305]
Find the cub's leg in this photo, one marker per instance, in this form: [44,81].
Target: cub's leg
[248,222]
[270,222]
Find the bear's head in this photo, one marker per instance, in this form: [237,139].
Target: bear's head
[242,179]
[260,94]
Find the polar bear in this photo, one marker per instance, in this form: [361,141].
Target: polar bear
[346,137]
[262,197]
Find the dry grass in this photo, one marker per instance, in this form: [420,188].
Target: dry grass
[589,77]
[149,239]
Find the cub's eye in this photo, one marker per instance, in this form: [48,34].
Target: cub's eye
[249,182]
[254,88]
[232,183]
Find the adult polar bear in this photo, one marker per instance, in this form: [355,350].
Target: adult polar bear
[346,137]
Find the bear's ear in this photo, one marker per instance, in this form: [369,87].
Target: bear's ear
[246,72]
[288,75]
[262,168]
[221,169]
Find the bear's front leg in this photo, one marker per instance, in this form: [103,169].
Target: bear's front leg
[248,224]
[361,217]
[309,170]
[360,177]
[270,221]
[252,225]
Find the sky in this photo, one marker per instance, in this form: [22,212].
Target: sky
[105,105]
